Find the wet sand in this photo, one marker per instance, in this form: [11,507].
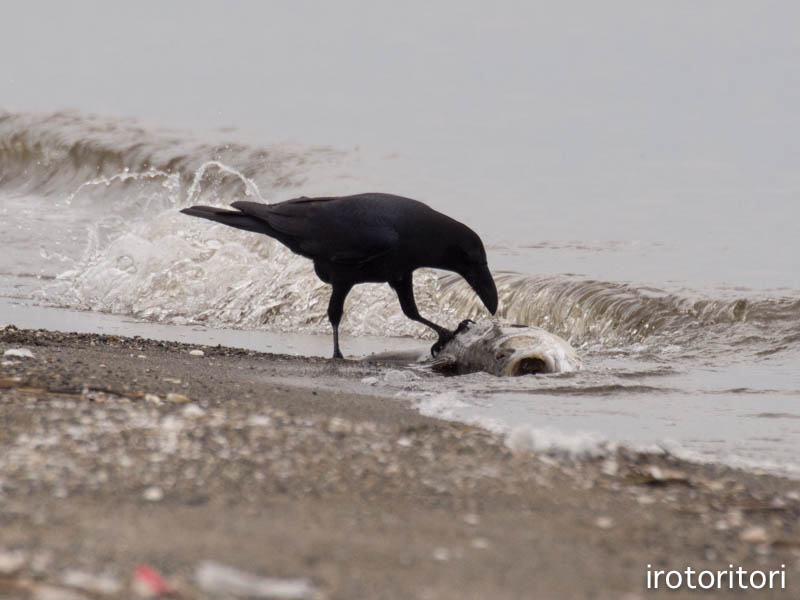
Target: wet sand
[118,451]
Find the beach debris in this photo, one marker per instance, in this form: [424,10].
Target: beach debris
[18,353]
[153,494]
[103,585]
[10,382]
[604,522]
[216,578]
[196,352]
[193,411]
[610,467]
[259,421]
[735,517]
[754,535]
[655,475]
[177,398]
[51,592]
[441,554]
[505,350]
[153,399]
[339,426]
[148,582]
[471,519]
[12,561]
[721,525]
[479,543]
[40,562]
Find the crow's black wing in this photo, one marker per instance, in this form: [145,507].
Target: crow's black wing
[340,230]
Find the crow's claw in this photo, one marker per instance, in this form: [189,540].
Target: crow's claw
[444,337]
[464,326]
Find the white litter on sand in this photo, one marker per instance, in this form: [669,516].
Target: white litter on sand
[19,353]
[217,578]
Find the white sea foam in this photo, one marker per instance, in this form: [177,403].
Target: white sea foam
[441,406]
[578,444]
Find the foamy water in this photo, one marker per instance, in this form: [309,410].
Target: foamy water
[637,196]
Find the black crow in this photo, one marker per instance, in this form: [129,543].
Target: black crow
[368,238]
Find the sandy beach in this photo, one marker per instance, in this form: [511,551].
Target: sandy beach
[117,452]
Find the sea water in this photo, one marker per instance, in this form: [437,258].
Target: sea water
[632,170]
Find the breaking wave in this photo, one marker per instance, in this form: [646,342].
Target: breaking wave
[53,154]
[586,310]
[109,192]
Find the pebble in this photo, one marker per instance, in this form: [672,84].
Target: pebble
[51,592]
[610,467]
[197,353]
[339,425]
[177,398]
[104,585]
[755,535]
[471,519]
[153,494]
[259,421]
[735,517]
[41,561]
[11,561]
[441,554]
[604,522]
[479,543]
[192,410]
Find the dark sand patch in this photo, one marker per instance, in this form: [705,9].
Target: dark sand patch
[366,498]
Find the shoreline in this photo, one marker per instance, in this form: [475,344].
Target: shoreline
[252,463]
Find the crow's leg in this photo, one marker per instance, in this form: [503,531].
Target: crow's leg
[335,310]
[405,293]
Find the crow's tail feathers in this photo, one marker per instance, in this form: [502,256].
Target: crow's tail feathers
[234,218]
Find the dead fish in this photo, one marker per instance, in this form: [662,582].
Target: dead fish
[505,350]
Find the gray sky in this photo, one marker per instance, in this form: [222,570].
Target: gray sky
[653,80]
[633,115]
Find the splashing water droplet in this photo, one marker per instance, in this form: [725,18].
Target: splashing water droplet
[126,263]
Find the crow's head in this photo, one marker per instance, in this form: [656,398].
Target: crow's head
[468,259]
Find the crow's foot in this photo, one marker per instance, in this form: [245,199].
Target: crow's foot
[464,326]
[444,337]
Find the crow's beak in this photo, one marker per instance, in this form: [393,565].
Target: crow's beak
[480,279]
